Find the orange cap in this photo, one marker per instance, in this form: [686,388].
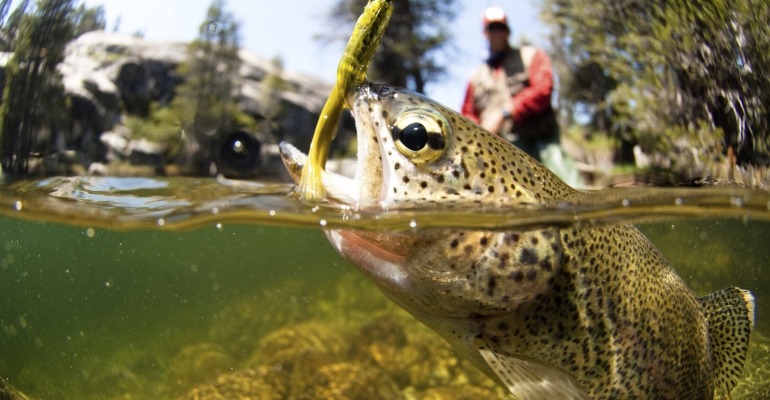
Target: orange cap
[495,15]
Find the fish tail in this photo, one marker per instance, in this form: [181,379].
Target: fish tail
[730,317]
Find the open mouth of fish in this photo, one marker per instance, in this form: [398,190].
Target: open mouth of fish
[372,178]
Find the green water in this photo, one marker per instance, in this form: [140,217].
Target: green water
[151,288]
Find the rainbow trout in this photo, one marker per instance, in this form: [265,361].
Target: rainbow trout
[550,313]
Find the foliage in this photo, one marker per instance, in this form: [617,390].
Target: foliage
[269,98]
[9,24]
[660,71]
[87,19]
[161,126]
[416,39]
[34,106]
[84,19]
[34,109]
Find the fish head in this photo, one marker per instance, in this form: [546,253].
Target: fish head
[414,152]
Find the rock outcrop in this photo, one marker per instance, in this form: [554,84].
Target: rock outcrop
[108,76]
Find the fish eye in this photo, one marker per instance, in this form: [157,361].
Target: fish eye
[414,136]
[420,134]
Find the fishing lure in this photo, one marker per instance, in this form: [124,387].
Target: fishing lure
[351,72]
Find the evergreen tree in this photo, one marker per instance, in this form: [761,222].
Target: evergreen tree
[212,78]
[34,107]
[661,71]
[207,103]
[9,24]
[418,34]
[87,19]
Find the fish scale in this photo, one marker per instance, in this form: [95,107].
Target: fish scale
[556,312]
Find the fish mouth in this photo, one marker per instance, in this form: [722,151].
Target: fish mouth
[339,188]
[366,188]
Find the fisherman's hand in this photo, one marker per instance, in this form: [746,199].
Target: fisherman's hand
[494,123]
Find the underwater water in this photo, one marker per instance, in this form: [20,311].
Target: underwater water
[180,288]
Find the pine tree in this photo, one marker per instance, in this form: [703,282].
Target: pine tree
[87,19]
[207,102]
[417,35]
[9,25]
[34,108]
[213,71]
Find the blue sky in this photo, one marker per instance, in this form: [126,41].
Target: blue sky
[286,28]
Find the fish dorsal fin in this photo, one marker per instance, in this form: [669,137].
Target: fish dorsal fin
[529,379]
[730,316]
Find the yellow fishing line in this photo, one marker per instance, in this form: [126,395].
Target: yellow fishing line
[351,72]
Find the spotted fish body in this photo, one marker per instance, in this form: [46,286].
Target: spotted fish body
[549,313]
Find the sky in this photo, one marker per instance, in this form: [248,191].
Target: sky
[287,28]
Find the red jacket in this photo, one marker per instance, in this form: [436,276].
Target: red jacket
[533,100]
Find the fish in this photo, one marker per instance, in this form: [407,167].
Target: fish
[561,312]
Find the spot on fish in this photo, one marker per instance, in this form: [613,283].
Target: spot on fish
[528,257]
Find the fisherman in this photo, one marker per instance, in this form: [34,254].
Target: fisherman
[510,95]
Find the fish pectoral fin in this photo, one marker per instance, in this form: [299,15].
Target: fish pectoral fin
[530,379]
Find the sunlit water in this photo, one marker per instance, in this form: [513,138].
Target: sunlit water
[162,288]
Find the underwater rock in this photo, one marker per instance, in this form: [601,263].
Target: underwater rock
[241,325]
[299,350]
[7,392]
[250,384]
[347,381]
[196,364]
[128,372]
[432,363]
